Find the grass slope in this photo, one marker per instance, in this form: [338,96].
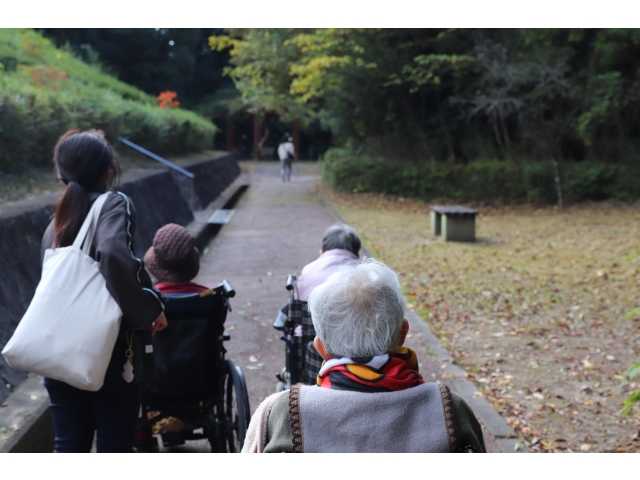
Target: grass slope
[45,90]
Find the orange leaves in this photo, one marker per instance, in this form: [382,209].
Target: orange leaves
[167,99]
[47,77]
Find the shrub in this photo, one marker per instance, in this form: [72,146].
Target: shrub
[479,180]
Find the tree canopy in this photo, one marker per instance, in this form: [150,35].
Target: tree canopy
[155,60]
[449,94]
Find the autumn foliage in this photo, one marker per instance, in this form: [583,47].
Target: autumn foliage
[45,77]
[167,99]
[45,90]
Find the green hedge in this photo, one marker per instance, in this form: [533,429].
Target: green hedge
[480,180]
[33,116]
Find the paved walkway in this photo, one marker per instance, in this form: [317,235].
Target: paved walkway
[276,230]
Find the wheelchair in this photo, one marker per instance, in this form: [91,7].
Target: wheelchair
[193,381]
[302,362]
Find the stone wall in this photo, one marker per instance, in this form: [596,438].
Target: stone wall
[158,200]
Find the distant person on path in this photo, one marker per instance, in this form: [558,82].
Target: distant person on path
[286,154]
[88,166]
[369,396]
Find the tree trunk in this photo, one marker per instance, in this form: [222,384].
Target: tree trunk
[554,155]
[425,144]
[257,127]
[421,136]
[505,134]
[496,132]
[230,143]
[621,138]
[556,171]
[452,154]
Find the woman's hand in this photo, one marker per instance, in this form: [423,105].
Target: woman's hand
[160,323]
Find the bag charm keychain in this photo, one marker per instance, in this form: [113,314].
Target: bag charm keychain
[127,372]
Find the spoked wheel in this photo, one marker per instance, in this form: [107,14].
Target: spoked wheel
[215,434]
[236,408]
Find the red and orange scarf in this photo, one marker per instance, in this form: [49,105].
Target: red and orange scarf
[396,370]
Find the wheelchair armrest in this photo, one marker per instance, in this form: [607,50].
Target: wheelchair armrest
[280,321]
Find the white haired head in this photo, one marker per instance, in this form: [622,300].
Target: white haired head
[359,310]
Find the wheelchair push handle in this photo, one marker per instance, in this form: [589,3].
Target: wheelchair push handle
[290,280]
[227,291]
[227,288]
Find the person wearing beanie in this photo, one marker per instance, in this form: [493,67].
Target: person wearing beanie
[174,260]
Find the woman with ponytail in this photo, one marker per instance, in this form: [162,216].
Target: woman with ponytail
[87,164]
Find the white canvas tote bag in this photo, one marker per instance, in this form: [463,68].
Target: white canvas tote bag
[70,328]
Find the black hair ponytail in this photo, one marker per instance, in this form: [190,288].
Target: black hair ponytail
[82,160]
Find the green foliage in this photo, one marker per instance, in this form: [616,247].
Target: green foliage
[476,181]
[634,370]
[34,114]
[429,69]
[594,181]
[26,47]
[262,59]
[634,398]
[452,94]
[152,59]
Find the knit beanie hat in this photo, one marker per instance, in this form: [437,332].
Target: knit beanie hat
[173,256]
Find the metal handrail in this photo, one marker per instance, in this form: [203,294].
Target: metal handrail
[166,162]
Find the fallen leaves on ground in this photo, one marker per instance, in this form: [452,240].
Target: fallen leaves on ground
[534,310]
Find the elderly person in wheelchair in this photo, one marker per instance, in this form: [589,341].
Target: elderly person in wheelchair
[340,246]
[369,395]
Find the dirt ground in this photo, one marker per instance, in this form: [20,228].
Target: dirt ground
[534,310]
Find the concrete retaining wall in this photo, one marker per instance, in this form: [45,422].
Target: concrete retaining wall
[211,179]
[21,229]
[158,200]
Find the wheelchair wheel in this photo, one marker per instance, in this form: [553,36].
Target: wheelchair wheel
[281,385]
[236,408]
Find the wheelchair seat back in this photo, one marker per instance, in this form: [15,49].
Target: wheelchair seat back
[189,351]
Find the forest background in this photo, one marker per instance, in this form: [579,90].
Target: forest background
[473,114]
[509,115]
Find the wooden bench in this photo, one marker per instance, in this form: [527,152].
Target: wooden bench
[454,223]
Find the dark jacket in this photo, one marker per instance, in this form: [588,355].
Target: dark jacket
[125,275]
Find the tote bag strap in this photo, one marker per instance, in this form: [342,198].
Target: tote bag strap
[85,235]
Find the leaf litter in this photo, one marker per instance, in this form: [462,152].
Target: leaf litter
[534,310]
